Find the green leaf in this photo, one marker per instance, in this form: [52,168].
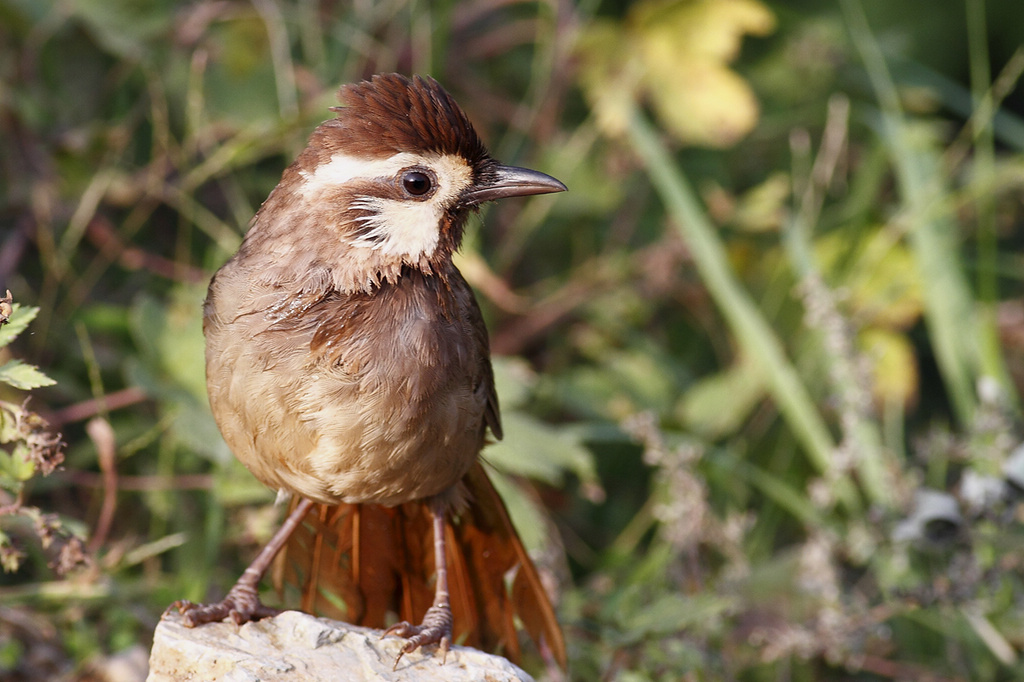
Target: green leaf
[170,335]
[514,380]
[537,450]
[20,317]
[8,424]
[879,273]
[763,208]
[24,376]
[529,519]
[720,404]
[16,467]
[672,613]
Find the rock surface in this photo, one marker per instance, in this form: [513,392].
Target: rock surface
[297,646]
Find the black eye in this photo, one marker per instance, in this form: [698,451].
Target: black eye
[416,183]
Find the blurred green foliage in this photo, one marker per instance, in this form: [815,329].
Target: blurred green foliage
[762,363]
[27,449]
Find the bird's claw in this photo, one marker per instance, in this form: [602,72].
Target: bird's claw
[242,604]
[436,628]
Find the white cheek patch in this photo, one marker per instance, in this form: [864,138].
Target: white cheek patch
[401,227]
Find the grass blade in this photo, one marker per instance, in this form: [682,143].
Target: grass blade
[750,328]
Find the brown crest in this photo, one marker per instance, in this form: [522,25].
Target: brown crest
[391,113]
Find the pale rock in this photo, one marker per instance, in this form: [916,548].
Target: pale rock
[296,646]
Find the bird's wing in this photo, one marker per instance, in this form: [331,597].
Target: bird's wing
[478,330]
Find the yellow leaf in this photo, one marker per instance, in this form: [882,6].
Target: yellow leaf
[894,373]
[695,29]
[707,104]
[675,53]
[685,46]
[763,208]
[880,276]
[886,287]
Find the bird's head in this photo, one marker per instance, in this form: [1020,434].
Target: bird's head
[390,181]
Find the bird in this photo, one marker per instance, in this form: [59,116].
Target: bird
[348,366]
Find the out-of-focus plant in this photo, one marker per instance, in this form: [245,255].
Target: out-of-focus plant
[28,449]
[675,53]
[841,288]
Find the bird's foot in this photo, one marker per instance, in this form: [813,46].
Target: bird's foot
[242,603]
[435,629]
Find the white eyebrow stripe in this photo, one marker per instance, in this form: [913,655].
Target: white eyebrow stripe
[344,168]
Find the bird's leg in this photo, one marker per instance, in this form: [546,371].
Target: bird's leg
[436,627]
[242,602]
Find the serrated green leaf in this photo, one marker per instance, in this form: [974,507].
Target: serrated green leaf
[16,467]
[23,376]
[20,317]
[8,426]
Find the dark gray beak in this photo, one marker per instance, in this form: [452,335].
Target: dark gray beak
[511,181]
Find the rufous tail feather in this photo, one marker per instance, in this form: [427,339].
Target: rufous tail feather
[360,563]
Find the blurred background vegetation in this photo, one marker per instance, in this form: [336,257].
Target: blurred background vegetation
[760,367]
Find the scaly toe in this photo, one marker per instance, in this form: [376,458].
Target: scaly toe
[435,629]
[242,605]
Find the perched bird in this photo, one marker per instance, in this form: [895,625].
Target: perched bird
[347,363]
